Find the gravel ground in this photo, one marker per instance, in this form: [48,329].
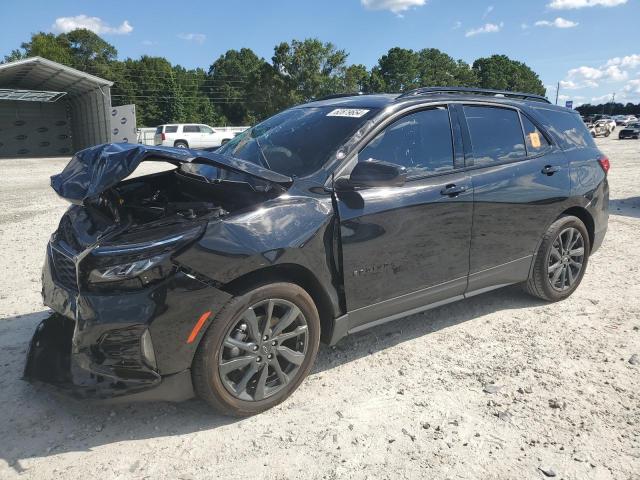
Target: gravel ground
[498,386]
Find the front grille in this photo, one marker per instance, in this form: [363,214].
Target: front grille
[64,269]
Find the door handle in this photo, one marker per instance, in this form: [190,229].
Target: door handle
[550,169]
[453,190]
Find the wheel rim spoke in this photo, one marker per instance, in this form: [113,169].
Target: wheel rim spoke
[252,324]
[233,343]
[292,334]
[290,356]
[235,364]
[554,267]
[262,381]
[285,321]
[577,252]
[241,386]
[282,377]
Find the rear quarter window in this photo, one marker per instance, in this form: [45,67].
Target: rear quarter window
[159,130]
[568,128]
[171,129]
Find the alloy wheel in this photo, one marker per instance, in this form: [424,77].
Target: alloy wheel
[566,259]
[264,350]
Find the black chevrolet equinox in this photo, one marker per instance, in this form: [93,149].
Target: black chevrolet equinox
[220,275]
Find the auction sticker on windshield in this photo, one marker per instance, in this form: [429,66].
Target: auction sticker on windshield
[347,112]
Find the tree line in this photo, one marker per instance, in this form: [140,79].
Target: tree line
[609,109]
[241,88]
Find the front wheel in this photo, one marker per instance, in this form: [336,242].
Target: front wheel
[258,350]
[561,260]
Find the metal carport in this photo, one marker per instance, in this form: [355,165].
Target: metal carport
[49,109]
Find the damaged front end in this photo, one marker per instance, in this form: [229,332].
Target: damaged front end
[124,309]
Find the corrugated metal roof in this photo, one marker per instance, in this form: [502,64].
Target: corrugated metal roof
[37,73]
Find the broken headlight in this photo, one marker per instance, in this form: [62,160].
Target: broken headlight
[131,275]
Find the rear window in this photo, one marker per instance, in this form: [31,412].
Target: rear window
[496,134]
[568,127]
[159,130]
[171,129]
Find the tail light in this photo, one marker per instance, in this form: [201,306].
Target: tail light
[604,163]
[163,136]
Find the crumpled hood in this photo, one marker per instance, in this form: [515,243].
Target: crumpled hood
[94,170]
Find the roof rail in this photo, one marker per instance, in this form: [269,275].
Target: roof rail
[474,91]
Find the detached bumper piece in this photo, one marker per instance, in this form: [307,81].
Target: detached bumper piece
[113,368]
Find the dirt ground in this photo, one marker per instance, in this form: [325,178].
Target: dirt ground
[495,387]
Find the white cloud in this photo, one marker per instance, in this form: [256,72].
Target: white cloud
[630,61]
[601,99]
[524,26]
[633,86]
[574,4]
[193,37]
[395,6]
[489,9]
[557,23]
[584,77]
[486,28]
[457,25]
[95,24]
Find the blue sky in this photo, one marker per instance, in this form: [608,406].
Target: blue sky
[591,46]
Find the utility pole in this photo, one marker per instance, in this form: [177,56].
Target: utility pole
[613,102]
[557,92]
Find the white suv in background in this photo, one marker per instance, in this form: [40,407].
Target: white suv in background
[189,135]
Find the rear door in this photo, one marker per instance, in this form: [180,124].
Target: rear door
[192,135]
[406,247]
[520,180]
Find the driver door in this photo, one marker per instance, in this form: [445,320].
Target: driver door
[407,247]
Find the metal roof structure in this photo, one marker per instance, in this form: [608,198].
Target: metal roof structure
[50,109]
[37,73]
[30,95]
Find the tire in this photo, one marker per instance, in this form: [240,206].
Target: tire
[181,144]
[224,141]
[548,256]
[214,352]
[607,133]
[593,134]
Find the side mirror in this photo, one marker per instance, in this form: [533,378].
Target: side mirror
[373,173]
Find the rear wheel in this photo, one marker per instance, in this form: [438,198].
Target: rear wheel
[181,144]
[258,349]
[561,260]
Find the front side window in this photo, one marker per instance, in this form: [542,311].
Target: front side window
[205,129]
[496,134]
[420,141]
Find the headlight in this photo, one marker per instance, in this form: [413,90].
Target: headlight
[138,273]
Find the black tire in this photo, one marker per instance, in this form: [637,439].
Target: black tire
[224,141]
[607,133]
[181,144]
[539,284]
[207,379]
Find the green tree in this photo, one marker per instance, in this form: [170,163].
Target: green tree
[311,68]
[231,77]
[49,46]
[356,79]
[397,71]
[88,49]
[437,69]
[502,73]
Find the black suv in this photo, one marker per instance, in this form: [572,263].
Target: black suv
[223,274]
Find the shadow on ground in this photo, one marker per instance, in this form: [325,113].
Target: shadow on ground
[39,423]
[626,207]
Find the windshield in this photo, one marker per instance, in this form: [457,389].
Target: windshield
[299,141]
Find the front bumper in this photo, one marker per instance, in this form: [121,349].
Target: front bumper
[91,345]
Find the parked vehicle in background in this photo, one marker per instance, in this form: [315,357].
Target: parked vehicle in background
[223,274]
[630,131]
[624,120]
[196,136]
[603,127]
